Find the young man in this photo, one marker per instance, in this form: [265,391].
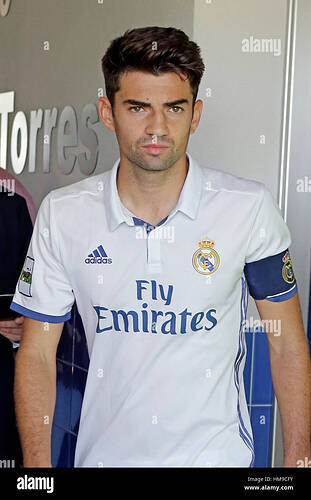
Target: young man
[159,255]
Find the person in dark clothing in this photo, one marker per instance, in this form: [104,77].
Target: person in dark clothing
[15,233]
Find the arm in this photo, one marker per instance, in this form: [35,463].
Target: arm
[291,375]
[35,389]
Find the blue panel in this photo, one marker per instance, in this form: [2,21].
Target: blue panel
[65,345]
[63,395]
[79,377]
[262,392]
[81,356]
[71,380]
[248,363]
[72,449]
[60,448]
[262,419]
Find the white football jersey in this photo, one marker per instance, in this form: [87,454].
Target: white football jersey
[163,310]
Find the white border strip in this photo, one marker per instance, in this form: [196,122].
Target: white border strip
[286,143]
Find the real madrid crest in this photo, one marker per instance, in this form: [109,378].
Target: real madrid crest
[287,269]
[205,260]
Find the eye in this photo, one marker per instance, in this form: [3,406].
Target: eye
[178,108]
[135,107]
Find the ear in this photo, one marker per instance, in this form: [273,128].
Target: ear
[197,111]
[105,112]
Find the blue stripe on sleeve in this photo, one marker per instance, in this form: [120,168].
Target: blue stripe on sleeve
[284,296]
[38,316]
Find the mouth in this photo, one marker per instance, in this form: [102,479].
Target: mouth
[154,150]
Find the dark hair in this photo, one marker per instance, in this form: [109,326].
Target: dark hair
[153,49]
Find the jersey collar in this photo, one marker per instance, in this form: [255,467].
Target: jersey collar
[188,201]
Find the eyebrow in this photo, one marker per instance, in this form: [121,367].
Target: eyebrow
[148,105]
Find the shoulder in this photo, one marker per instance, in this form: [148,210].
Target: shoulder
[91,186]
[226,183]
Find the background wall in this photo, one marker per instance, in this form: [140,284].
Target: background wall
[69,72]
[50,55]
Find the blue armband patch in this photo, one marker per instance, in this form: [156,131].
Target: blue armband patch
[271,278]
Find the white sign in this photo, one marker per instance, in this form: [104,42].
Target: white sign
[70,133]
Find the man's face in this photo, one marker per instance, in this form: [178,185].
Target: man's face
[155,111]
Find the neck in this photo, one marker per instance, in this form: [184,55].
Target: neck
[151,195]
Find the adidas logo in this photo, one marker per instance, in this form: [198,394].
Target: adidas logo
[98,256]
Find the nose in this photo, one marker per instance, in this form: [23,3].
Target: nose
[157,124]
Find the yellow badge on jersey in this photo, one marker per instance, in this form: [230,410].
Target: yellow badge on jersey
[287,269]
[206,260]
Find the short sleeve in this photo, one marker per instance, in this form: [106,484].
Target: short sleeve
[268,268]
[269,233]
[43,290]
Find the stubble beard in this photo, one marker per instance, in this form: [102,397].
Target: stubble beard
[155,163]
